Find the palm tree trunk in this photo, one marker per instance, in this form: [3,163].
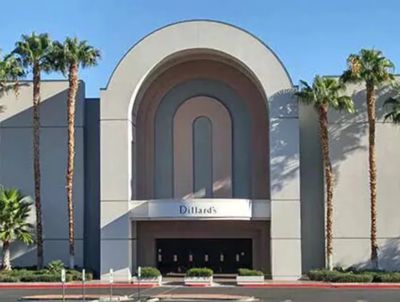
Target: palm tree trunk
[323,125]
[73,88]
[36,163]
[6,258]
[371,104]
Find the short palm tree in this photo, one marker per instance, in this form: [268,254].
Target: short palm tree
[33,51]
[325,94]
[394,104]
[14,212]
[67,57]
[373,69]
[10,73]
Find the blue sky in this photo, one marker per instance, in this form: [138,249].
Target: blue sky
[310,36]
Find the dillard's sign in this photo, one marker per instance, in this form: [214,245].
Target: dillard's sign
[184,209]
[201,208]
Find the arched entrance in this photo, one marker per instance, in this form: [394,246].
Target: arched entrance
[199,140]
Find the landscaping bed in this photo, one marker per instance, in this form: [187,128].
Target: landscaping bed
[249,277]
[199,276]
[50,274]
[352,275]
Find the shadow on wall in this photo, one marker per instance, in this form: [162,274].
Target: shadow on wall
[348,133]
[7,89]
[17,171]
[284,140]
[388,253]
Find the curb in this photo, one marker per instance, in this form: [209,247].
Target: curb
[327,285]
[265,285]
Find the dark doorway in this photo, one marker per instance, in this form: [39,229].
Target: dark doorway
[221,255]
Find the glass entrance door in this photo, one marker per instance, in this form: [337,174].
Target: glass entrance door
[221,255]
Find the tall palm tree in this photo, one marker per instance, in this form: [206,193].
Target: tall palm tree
[394,103]
[10,73]
[14,212]
[325,93]
[373,69]
[33,51]
[67,57]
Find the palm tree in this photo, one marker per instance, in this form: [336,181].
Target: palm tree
[373,69]
[14,212]
[33,51]
[324,94]
[67,58]
[10,73]
[394,103]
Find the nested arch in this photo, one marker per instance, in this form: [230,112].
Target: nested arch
[128,89]
[202,146]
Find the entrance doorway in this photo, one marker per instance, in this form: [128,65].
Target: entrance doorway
[221,255]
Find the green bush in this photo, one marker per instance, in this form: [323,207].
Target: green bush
[44,278]
[339,276]
[199,272]
[150,272]
[8,278]
[322,275]
[43,275]
[249,272]
[387,277]
[350,277]
[55,266]
[77,275]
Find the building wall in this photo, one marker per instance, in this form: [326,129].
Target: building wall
[311,191]
[92,186]
[348,135]
[349,150]
[16,167]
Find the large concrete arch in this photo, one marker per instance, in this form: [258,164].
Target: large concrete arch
[122,95]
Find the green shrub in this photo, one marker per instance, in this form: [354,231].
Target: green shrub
[76,275]
[8,278]
[350,277]
[55,266]
[249,272]
[199,272]
[321,275]
[340,276]
[387,277]
[150,272]
[44,278]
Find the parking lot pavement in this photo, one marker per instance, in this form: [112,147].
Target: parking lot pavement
[264,294]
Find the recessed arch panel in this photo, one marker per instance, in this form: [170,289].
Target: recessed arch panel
[186,167]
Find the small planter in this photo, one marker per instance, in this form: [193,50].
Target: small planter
[198,281]
[199,276]
[249,280]
[153,281]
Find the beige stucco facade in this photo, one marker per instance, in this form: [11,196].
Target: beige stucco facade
[198,136]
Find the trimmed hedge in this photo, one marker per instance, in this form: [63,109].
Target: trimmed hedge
[350,277]
[249,272]
[199,272]
[44,278]
[44,275]
[387,277]
[353,275]
[8,279]
[150,272]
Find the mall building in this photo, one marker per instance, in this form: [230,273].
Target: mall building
[197,154]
